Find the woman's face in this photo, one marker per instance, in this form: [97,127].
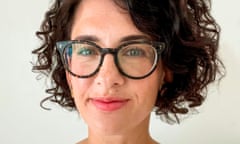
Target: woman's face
[109,101]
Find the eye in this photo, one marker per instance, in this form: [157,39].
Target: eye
[134,52]
[86,51]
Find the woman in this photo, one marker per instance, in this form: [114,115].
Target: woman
[117,60]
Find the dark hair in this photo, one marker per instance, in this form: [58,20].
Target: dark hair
[186,26]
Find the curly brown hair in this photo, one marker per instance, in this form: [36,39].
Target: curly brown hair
[186,26]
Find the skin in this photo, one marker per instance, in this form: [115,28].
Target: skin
[106,24]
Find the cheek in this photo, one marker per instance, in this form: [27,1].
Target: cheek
[147,90]
[146,93]
[80,93]
[80,85]
[80,89]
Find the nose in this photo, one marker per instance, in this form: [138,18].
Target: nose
[108,75]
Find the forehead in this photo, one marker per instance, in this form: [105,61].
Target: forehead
[102,18]
[96,8]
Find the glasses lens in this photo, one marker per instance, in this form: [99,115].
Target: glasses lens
[81,59]
[138,59]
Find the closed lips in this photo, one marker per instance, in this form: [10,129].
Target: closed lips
[109,104]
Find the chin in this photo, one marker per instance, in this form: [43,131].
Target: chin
[110,128]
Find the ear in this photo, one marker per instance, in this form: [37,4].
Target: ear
[168,75]
[68,77]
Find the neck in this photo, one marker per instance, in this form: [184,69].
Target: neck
[136,135]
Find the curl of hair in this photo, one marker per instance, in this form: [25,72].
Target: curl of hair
[186,26]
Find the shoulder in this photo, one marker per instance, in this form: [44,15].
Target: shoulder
[84,141]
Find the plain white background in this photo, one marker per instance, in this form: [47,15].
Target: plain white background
[22,121]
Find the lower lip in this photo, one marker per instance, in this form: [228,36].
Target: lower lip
[109,106]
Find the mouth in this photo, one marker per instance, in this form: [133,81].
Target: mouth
[109,104]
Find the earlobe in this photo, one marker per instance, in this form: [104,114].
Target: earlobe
[168,76]
[68,77]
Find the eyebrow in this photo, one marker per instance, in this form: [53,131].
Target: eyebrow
[134,37]
[124,39]
[88,38]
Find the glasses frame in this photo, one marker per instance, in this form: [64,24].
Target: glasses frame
[159,47]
